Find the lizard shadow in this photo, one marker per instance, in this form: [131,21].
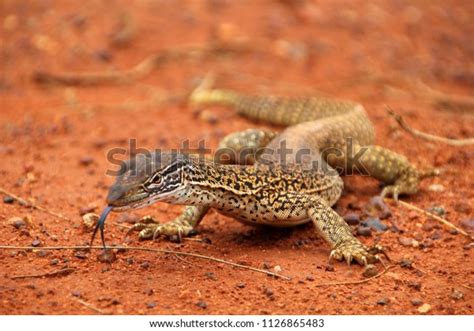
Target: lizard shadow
[266,236]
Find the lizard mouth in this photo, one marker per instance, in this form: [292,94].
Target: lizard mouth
[135,202]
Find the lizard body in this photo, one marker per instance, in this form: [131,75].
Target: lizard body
[324,137]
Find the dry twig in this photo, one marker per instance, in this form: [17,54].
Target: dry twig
[88,305]
[30,204]
[142,69]
[355,282]
[436,217]
[427,136]
[155,250]
[61,272]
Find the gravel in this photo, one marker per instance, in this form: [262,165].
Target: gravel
[8,199]
[383,302]
[364,231]
[370,271]
[17,222]
[106,256]
[352,219]
[36,243]
[202,304]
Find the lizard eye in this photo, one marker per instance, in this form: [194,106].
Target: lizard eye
[155,179]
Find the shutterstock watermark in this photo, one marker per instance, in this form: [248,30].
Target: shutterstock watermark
[347,160]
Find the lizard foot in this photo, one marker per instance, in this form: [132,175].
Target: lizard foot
[407,183]
[354,250]
[149,228]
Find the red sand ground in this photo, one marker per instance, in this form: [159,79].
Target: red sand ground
[49,134]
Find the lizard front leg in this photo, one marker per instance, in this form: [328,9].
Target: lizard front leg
[337,233]
[183,225]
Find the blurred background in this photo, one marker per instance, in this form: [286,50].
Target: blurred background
[79,78]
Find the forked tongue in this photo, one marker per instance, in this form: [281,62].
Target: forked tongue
[100,224]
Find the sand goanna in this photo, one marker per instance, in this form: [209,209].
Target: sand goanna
[278,179]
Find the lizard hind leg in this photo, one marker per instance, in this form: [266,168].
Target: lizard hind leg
[393,169]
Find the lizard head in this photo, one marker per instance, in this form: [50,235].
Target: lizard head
[143,180]
[147,178]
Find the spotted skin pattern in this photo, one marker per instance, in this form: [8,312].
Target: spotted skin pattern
[265,186]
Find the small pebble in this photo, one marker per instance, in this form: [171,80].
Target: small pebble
[369,271]
[89,220]
[266,265]
[352,218]
[436,235]
[406,263]
[151,304]
[42,253]
[437,210]
[405,241]
[8,199]
[54,262]
[424,308]
[375,224]
[277,268]
[115,302]
[378,207]
[354,205]
[393,275]
[383,301]
[329,268]
[76,293]
[202,304]
[80,255]
[427,243]
[363,231]
[416,302]
[453,232]
[268,291]
[103,55]
[436,188]
[428,226]
[175,239]
[86,160]
[106,256]
[456,294]
[414,285]
[467,223]
[240,285]
[310,278]
[17,222]
[206,240]
[36,243]
[145,265]
[210,275]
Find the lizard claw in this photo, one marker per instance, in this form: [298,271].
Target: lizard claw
[393,190]
[149,228]
[143,226]
[350,251]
